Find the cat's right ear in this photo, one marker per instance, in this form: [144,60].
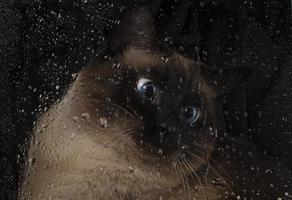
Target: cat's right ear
[136,29]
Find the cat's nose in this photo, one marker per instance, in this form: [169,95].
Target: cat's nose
[167,128]
[167,135]
[163,132]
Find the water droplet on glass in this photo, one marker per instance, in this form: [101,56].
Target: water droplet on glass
[131,169]
[103,122]
[85,115]
[75,119]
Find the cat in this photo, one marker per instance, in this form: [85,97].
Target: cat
[140,123]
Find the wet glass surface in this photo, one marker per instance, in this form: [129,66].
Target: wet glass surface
[145,100]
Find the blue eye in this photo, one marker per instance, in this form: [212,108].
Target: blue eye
[146,89]
[191,114]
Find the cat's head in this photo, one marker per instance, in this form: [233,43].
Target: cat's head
[170,95]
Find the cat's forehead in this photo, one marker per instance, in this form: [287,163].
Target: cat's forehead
[160,66]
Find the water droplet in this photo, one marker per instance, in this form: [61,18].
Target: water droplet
[75,119]
[85,115]
[31,161]
[103,122]
[131,169]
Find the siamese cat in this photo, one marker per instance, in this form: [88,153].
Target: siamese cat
[140,124]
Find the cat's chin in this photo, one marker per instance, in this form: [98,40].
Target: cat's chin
[131,146]
[196,153]
[165,162]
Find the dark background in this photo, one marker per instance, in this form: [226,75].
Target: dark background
[42,43]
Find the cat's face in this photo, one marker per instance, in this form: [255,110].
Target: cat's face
[168,96]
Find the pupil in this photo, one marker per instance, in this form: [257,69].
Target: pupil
[189,112]
[148,90]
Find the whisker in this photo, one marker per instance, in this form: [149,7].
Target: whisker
[114,142]
[180,172]
[174,164]
[207,158]
[126,140]
[117,135]
[122,108]
[189,192]
[198,166]
[110,139]
[135,113]
[196,175]
[212,168]
[117,141]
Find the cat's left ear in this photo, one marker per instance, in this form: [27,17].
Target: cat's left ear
[136,29]
[226,80]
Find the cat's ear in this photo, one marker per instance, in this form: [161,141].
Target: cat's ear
[135,29]
[225,80]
